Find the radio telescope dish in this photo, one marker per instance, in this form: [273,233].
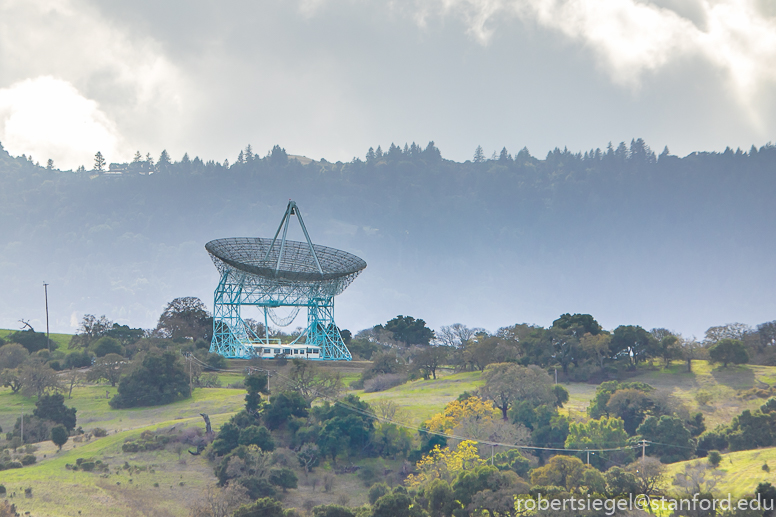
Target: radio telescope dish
[272,273]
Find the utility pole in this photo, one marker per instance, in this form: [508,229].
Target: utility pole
[22,424]
[556,376]
[588,455]
[45,291]
[491,455]
[643,450]
[188,356]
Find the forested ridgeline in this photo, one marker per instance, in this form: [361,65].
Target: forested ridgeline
[407,207]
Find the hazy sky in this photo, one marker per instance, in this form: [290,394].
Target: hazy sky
[330,78]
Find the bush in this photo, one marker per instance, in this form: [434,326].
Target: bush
[332,510]
[714,458]
[376,491]
[2,490]
[59,435]
[383,382]
[160,379]
[28,459]
[264,507]
[257,487]
[107,345]
[99,432]
[283,477]
[78,360]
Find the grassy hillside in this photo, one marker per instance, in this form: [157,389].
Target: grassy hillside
[183,478]
[740,472]
[60,340]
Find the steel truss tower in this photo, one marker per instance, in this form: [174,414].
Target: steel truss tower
[273,273]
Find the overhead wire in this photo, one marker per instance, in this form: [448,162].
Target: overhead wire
[422,429]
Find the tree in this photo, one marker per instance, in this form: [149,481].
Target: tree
[52,407]
[255,384]
[186,318]
[160,379]
[604,433]
[107,345]
[258,436]
[283,406]
[735,331]
[10,378]
[729,351]
[631,406]
[29,339]
[456,335]
[50,165]
[308,457]
[596,346]
[649,474]
[673,441]
[396,504]
[99,162]
[109,368]
[311,382]
[12,356]
[562,471]
[668,346]
[59,435]
[479,155]
[408,330]
[264,507]
[429,358]
[37,378]
[91,329]
[283,477]
[767,496]
[445,464]
[332,510]
[632,342]
[506,383]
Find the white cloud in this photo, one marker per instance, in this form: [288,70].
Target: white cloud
[633,37]
[56,52]
[48,118]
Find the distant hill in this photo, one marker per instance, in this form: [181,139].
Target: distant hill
[622,233]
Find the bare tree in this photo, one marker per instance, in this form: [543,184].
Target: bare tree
[220,502]
[312,382]
[649,474]
[456,335]
[38,378]
[109,367]
[728,331]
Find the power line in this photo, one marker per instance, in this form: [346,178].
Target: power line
[436,433]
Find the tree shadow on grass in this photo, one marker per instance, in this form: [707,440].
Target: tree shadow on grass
[736,377]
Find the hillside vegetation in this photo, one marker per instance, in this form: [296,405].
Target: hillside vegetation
[182,478]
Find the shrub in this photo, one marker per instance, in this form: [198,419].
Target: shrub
[714,458]
[99,432]
[283,477]
[332,510]
[28,459]
[383,382]
[160,379]
[59,435]
[376,491]
[2,490]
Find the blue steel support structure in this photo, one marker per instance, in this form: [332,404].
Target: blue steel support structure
[268,274]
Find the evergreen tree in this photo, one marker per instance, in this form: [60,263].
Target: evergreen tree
[479,155]
[99,162]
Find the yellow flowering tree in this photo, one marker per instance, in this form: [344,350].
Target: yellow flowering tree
[459,410]
[445,463]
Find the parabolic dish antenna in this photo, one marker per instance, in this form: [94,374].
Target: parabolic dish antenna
[273,273]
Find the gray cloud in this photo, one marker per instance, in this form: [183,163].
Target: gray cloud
[330,78]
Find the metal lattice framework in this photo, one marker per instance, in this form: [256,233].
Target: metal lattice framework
[272,273]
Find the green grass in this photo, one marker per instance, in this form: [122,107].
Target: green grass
[60,340]
[741,471]
[58,491]
[420,400]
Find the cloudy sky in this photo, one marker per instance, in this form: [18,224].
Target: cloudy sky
[330,78]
